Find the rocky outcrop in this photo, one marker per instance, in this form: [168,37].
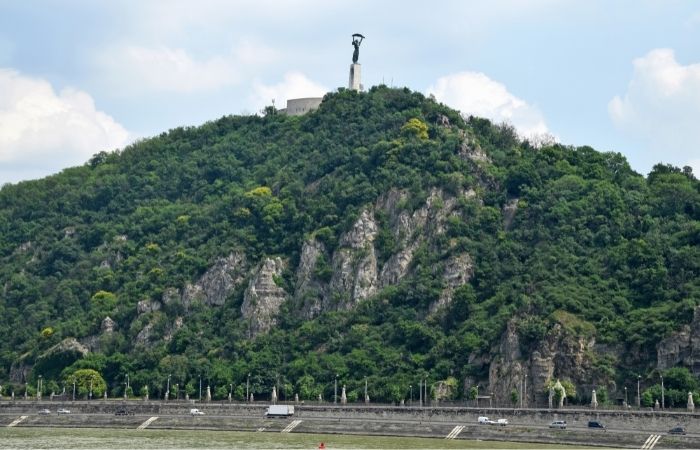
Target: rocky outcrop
[509,210]
[560,355]
[217,283]
[354,265]
[222,278]
[147,305]
[309,290]
[681,347]
[459,269]
[263,297]
[94,343]
[68,345]
[470,149]
[108,325]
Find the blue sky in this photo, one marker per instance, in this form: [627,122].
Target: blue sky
[78,77]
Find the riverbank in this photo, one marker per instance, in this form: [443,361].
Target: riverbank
[624,429]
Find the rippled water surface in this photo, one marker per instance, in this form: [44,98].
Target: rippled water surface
[108,439]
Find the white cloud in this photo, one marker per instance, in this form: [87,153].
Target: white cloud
[476,94]
[138,69]
[143,69]
[294,85]
[661,110]
[42,132]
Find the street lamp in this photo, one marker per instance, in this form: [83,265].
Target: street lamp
[247,394]
[167,390]
[410,386]
[73,388]
[526,391]
[366,391]
[477,396]
[38,388]
[200,388]
[230,393]
[420,393]
[335,394]
[90,396]
[662,392]
[639,399]
[625,396]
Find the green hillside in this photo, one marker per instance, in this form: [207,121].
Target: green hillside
[564,249]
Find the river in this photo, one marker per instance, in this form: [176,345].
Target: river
[110,439]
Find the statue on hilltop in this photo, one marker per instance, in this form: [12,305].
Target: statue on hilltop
[356,41]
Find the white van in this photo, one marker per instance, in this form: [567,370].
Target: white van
[483,420]
[196,412]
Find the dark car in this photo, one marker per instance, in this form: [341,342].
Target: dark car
[677,430]
[595,424]
[123,412]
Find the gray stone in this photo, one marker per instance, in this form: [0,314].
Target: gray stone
[263,297]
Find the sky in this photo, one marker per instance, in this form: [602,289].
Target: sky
[81,76]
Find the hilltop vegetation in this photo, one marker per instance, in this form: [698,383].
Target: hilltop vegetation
[559,237]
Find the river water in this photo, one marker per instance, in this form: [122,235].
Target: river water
[110,439]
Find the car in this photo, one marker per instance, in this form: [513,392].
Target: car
[677,430]
[501,422]
[595,424]
[560,424]
[483,420]
[44,412]
[196,412]
[63,411]
[123,412]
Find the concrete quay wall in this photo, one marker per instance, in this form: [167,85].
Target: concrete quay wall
[626,429]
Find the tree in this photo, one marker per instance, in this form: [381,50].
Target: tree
[85,380]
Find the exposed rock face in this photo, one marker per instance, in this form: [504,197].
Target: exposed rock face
[214,286]
[145,335]
[147,305]
[459,269]
[681,347]
[559,355]
[65,346]
[222,278]
[354,265]
[108,325]
[472,150]
[309,289]
[263,297]
[509,210]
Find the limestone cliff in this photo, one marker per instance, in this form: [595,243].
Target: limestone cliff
[562,354]
[309,289]
[681,347]
[214,286]
[263,297]
[354,265]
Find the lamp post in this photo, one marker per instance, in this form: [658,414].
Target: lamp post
[167,390]
[477,396]
[366,390]
[525,396]
[335,391]
[420,393]
[663,403]
[639,399]
[90,394]
[74,389]
[230,393]
[177,392]
[247,394]
[625,396]
[38,388]
[200,388]
[410,386]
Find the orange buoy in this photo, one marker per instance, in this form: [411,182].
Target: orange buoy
[322,446]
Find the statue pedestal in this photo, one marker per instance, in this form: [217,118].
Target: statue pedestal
[355,82]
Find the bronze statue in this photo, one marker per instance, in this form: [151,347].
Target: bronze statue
[356,41]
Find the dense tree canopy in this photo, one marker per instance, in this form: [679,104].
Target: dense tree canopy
[593,245]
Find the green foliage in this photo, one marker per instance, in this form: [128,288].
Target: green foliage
[415,127]
[594,250]
[84,380]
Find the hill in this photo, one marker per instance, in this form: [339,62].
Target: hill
[382,238]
